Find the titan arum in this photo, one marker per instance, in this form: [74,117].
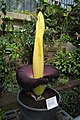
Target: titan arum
[35,77]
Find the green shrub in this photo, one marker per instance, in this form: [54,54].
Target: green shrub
[10,51]
[16,48]
[54,17]
[62,80]
[72,25]
[71,101]
[67,62]
[1,114]
[65,38]
[27,36]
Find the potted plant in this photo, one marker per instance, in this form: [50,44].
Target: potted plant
[37,101]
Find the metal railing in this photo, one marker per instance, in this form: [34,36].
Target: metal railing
[31,5]
[65,3]
[20,5]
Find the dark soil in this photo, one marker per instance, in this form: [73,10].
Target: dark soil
[28,100]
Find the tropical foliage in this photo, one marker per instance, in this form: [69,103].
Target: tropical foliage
[62,26]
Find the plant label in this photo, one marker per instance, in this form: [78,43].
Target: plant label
[51,103]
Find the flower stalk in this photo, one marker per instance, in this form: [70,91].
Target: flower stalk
[38,55]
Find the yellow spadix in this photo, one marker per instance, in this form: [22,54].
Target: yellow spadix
[38,55]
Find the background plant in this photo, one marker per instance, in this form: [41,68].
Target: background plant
[16,48]
[9,52]
[1,114]
[67,62]
[71,99]
[54,17]
[72,25]
[27,36]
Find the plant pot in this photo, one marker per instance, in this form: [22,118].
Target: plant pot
[33,113]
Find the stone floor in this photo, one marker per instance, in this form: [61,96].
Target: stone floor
[8,101]
[16,115]
[77,118]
